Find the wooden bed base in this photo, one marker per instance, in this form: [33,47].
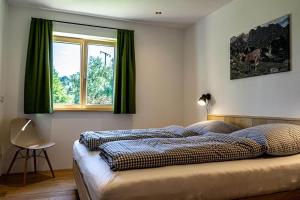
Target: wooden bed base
[288,195]
[242,121]
[249,121]
[82,190]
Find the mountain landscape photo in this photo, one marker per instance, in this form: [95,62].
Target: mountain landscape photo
[263,50]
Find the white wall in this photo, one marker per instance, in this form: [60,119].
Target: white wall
[3,13]
[207,66]
[159,66]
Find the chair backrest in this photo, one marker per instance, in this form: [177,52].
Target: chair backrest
[23,133]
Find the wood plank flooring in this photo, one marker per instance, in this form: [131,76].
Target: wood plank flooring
[40,186]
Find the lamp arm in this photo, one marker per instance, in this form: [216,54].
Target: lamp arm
[206,107]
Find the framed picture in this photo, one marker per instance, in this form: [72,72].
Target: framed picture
[263,50]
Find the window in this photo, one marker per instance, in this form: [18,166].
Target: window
[83,74]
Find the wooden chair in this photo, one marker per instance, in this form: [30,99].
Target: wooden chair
[24,135]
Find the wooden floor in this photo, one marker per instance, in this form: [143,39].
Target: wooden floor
[39,186]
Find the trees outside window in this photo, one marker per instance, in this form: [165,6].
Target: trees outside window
[83,74]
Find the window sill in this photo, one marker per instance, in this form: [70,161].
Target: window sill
[90,109]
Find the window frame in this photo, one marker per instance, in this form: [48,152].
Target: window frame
[83,71]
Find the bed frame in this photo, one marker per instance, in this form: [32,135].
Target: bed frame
[82,190]
[241,121]
[249,121]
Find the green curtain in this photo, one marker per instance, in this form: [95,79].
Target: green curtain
[124,87]
[38,74]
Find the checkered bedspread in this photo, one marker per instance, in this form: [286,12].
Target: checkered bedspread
[158,152]
[92,139]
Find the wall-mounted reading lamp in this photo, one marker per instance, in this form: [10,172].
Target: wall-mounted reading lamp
[204,101]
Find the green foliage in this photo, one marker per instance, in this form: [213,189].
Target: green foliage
[99,82]
[74,88]
[66,89]
[59,92]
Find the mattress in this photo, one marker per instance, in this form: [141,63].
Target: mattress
[219,180]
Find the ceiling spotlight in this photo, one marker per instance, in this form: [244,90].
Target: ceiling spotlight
[158,12]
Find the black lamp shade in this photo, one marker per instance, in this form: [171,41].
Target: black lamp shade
[203,100]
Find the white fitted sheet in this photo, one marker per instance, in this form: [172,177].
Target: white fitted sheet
[219,180]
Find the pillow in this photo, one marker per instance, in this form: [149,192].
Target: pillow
[211,126]
[178,130]
[277,139]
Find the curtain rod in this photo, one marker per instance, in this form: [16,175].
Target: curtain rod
[80,24]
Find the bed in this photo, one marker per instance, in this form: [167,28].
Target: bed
[278,178]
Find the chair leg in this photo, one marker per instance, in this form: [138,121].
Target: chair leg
[25,166]
[13,161]
[34,160]
[47,158]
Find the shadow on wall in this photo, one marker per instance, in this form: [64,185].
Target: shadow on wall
[195,73]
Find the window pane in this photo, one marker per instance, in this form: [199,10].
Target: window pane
[66,73]
[100,74]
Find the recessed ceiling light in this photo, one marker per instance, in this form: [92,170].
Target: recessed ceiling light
[158,12]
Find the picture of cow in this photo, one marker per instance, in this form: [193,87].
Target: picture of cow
[263,50]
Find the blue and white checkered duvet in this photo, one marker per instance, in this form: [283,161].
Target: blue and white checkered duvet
[92,139]
[158,152]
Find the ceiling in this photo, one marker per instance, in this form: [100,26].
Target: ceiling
[175,13]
